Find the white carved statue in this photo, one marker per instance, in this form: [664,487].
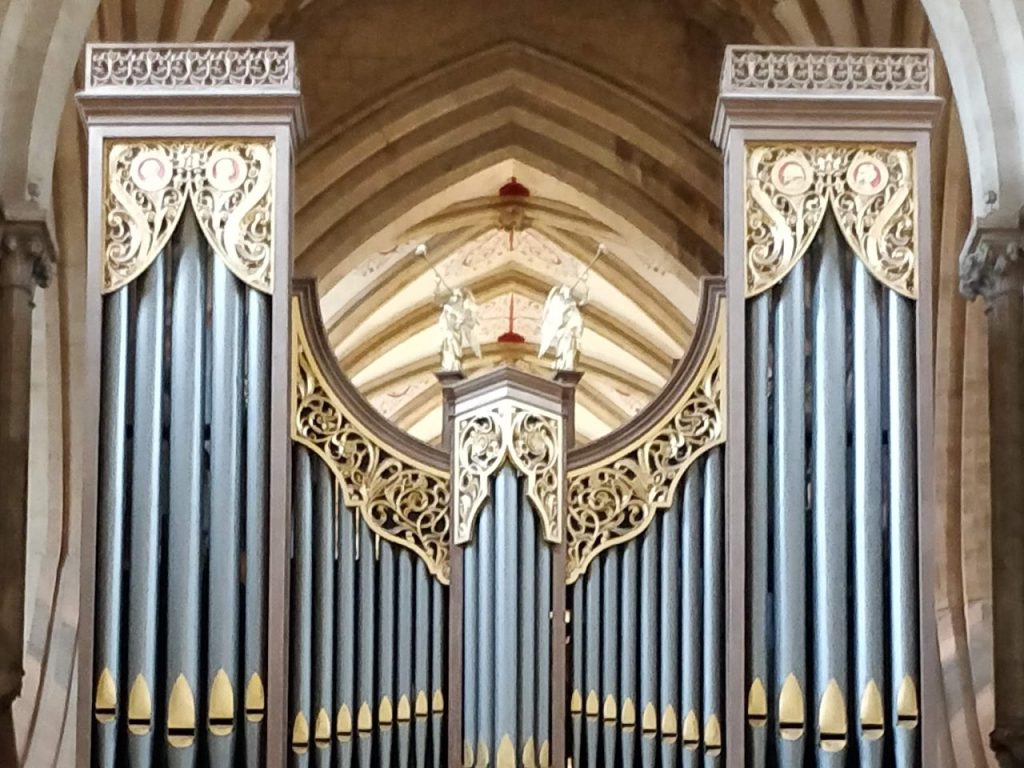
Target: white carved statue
[458,323]
[561,326]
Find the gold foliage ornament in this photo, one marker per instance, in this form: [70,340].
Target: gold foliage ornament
[869,189]
[528,437]
[229,183]
[615,499]
[400,499]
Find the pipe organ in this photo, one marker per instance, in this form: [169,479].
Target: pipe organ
[738,576]
[830,334]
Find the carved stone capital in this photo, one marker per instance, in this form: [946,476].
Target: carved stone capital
[26,255]
[1008,744]
[992,265]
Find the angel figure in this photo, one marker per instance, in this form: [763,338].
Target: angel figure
[561,326]
[458,323]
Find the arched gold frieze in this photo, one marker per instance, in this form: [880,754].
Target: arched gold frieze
[869,189]
[532,439]
[401,499]
[615,498]
[229,183]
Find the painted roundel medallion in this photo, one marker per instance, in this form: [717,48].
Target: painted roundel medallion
[151,170]
[792,174]
[226,170]
[867,175]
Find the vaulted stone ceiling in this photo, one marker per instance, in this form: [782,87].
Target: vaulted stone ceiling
[381,316]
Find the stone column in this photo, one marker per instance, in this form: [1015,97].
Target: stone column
[993,268]
[26,256]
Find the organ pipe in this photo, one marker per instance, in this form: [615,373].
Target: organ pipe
[828,501]
[321,703]
[223,598]
[757,514]
[691,663]
[257,491]
[868,523]
[185,493]
[109,708]
[713,607]
[368,652]
[144,558]
[904,663]
[530,631]
[300,687]
[650,604]
[629,628]
[404,658]
[345,592]
[506,601]
[789,494]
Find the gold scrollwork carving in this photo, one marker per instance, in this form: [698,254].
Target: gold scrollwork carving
[528,437]
[870,190]
[616,499]
[229,182]
[400,499]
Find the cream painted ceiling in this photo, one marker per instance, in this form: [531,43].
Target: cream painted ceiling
[382,314]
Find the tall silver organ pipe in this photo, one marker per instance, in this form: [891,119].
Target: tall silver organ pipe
[185,355]
[857,487]
[663,611]
[257,490]
[829,493]
[365,638]
[789,502]
[225,528]
[146,509]
[185,490]
[110,621]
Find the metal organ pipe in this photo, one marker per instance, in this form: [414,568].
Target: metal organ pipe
[345,592]
[300,686]
[257,476]
[691,665]
[223,594]
[404,657]
[629,627]
[367,652]
[528,695]
[185,492]
[869,631]
[789,503]
[757,515]
[714,619]
[506,606]
[828,496]
[147,460]
[470,653]
[543,633]
[321,703]
[904,663]
[649,597]
[485,638]
[109,706]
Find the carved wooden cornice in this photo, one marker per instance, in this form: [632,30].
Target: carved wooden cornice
[848,71]
[236,67]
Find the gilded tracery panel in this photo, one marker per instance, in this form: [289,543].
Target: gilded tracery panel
[869,189]
[532,439]
[399,498]
[229,183]
[615,499]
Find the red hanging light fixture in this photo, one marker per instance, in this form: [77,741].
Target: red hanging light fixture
[512,208]
[511,336]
